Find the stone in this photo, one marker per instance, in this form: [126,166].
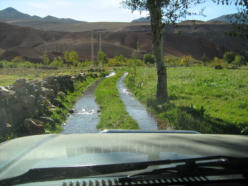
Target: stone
[6,93]
[34,127]
[48,120]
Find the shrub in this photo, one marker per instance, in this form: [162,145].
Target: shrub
[71,57]
[57,62]
[1,65]
[17,59]
[239,60]
[218,63]
[187,60]
[171,61]
[118,61]
[229,57]
[149,59]
[102,58]
[46,59]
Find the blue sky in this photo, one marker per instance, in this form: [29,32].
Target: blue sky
[98,10]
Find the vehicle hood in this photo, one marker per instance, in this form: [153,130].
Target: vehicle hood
[20,155]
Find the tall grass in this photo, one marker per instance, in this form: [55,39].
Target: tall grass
[201,98]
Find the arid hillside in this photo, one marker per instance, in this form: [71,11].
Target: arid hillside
[187,38]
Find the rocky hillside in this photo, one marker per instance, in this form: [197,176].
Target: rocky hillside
[187,38]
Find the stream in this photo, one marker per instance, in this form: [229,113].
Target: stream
[86,117]
[135,109]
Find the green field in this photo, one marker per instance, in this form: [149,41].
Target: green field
[113,112]
[201,98]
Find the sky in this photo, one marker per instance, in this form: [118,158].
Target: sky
[99,10]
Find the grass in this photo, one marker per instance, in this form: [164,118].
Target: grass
[113,112]
[201,98]
[9,75]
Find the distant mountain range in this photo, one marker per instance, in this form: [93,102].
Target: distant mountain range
[11,15]
[230,18]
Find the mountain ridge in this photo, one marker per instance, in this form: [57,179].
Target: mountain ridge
[12,15]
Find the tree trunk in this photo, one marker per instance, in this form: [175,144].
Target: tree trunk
[154,7]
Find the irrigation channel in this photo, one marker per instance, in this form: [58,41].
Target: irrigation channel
[86,117]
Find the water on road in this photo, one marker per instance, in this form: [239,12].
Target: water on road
[135,108]
[85,116]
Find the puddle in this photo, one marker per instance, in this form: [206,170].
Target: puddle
[135,109]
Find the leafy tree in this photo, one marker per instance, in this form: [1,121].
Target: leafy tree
[229,57]
[149,58]
[239,60]
[71,57]
[102,58]
[161,12]
[46,59]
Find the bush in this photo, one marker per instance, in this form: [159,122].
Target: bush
[218,63]
[229,57]
[17,59]
[239,60]
[57,62]
[149,59]
[187,60]
[102,58]
[71,57]
[118,61]
[1,65]
[171,61]
[46,59]
[204,59]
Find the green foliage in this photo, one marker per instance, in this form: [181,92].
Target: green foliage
[102,58]
[46,59]
[239,60]
[201,98]
[229,57]
[17,59]
[71,57]
[117,61]
[218,63]
[57,62]
[187,60]
[113,112]
[149,59]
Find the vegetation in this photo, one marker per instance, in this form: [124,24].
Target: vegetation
[161,10]
[102,58]
[113,112]
[201,98]
[67,101]
[149,59]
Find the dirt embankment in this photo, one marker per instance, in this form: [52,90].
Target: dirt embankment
[208,39]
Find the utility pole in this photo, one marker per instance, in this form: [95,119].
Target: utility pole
[99,41]
[92,47]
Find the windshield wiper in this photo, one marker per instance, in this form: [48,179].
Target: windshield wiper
[199,170]
[194,166]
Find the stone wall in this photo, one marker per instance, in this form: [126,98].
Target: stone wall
[25,106]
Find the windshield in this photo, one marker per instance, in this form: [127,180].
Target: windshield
[76,74]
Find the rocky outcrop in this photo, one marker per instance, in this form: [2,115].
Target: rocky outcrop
[26,106]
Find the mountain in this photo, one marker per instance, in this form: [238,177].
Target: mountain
[230,18]
[11,15]
[185,39]
[141,20]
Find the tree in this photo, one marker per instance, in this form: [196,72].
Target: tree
[102,58]
[71,57]
[148,59]
[46,59]
[161,12]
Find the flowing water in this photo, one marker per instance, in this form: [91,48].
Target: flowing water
[135,109]
[85,116]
